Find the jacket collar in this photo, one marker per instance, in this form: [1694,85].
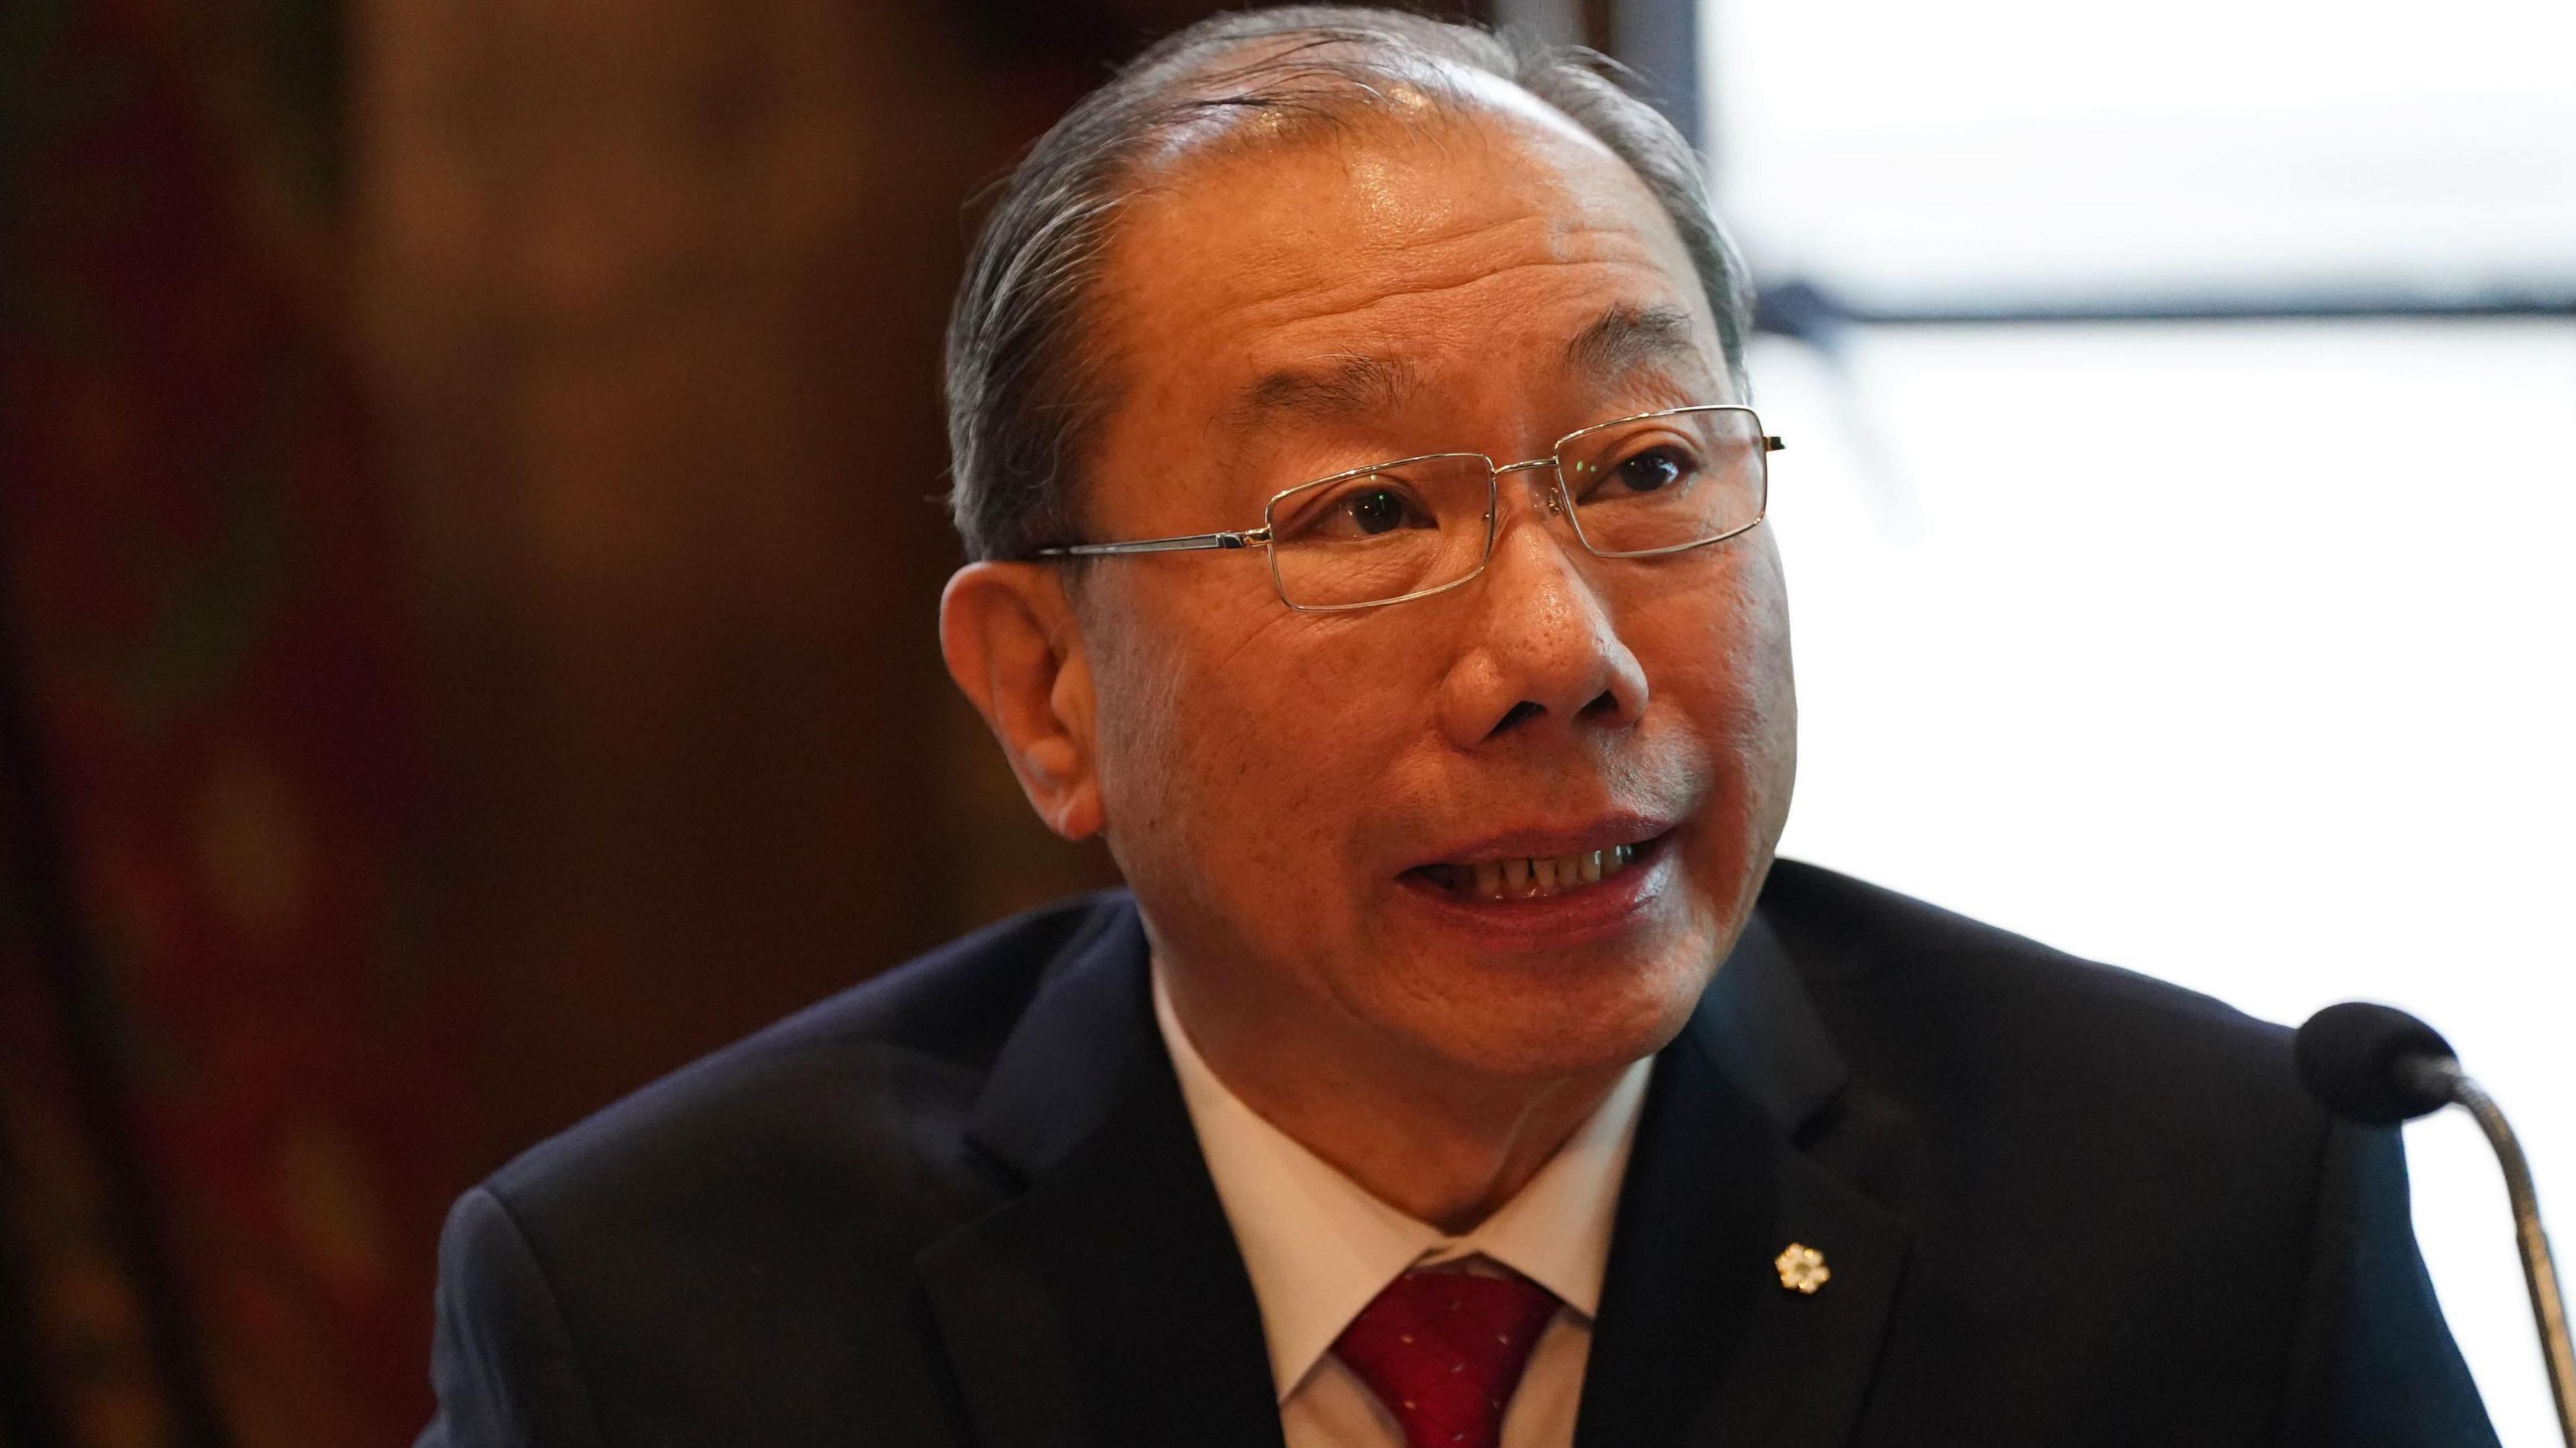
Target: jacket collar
[1106,1303]
[1760,1029]
[1088,1038]
[1700,1340]
[1085,1043]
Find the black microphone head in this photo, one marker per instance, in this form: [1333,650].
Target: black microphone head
[2355,1057]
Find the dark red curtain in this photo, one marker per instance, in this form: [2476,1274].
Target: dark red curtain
[233,1087]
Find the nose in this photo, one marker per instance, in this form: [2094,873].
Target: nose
[1543,649]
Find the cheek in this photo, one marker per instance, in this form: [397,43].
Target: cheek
[1238,739]
[1309,720]
[1716,653]
[1758,659]
[1761,730]
[1717,664]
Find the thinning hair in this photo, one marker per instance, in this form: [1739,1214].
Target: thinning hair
[1027,382]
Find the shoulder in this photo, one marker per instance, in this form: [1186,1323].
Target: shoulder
[2101,1168]
[1973,993]
[865,1093]
[2020,1063]
[751,1218]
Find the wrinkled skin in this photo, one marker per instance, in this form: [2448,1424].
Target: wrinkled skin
[1266,778]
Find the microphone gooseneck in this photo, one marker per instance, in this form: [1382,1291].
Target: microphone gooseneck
[2379,1065]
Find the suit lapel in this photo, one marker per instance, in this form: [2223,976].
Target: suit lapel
[1698,1341]
[1106,1304]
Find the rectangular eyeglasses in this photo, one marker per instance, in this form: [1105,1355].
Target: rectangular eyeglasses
[1645,486]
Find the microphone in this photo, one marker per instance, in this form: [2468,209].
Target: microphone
[2378,1065]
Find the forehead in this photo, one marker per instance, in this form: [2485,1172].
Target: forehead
[1475,249]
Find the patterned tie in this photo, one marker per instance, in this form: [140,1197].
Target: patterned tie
[1445,1350]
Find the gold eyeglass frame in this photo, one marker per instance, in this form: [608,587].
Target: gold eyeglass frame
[1560,501]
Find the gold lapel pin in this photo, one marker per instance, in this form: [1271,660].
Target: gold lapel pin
[1802,1269]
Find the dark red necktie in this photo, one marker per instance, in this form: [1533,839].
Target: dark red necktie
[1445,1350]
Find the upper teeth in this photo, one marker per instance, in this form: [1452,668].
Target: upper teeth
[1529,879]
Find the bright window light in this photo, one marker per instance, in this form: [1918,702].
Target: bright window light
[1998,151]
[2239,653]
[2242,654]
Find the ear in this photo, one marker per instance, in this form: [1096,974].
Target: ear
[1008,633]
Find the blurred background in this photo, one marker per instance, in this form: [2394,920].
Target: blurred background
[469,541]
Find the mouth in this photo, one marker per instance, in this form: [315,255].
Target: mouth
[1496,878]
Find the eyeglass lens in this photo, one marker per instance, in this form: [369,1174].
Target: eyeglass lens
[1654,484]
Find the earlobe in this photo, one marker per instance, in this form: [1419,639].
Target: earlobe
[1007,632]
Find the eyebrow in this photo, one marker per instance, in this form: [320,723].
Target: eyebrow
[1338,389]
[1629,336]
[1334,390]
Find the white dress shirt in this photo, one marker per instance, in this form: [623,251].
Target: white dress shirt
[1319,1248]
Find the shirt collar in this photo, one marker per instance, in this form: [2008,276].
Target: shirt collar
[1318,1247]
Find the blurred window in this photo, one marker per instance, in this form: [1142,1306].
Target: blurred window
[2242,652]
[2013,152]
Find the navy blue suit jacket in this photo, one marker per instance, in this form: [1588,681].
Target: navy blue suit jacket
[962,1204]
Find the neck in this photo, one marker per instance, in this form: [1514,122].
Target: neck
[1441,1144]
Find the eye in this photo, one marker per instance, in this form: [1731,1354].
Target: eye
[1374,510]
[1654,469]
[1366,507]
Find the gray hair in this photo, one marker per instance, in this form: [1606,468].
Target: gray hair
[1025,384]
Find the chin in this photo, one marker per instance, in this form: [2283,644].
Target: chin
[1570,1023]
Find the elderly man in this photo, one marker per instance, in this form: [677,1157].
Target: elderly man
[1351,434]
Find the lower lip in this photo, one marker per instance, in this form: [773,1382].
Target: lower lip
[1580,916]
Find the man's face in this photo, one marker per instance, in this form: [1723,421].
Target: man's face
[1299,798]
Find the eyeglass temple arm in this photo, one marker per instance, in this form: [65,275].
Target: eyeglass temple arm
[1190,543]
